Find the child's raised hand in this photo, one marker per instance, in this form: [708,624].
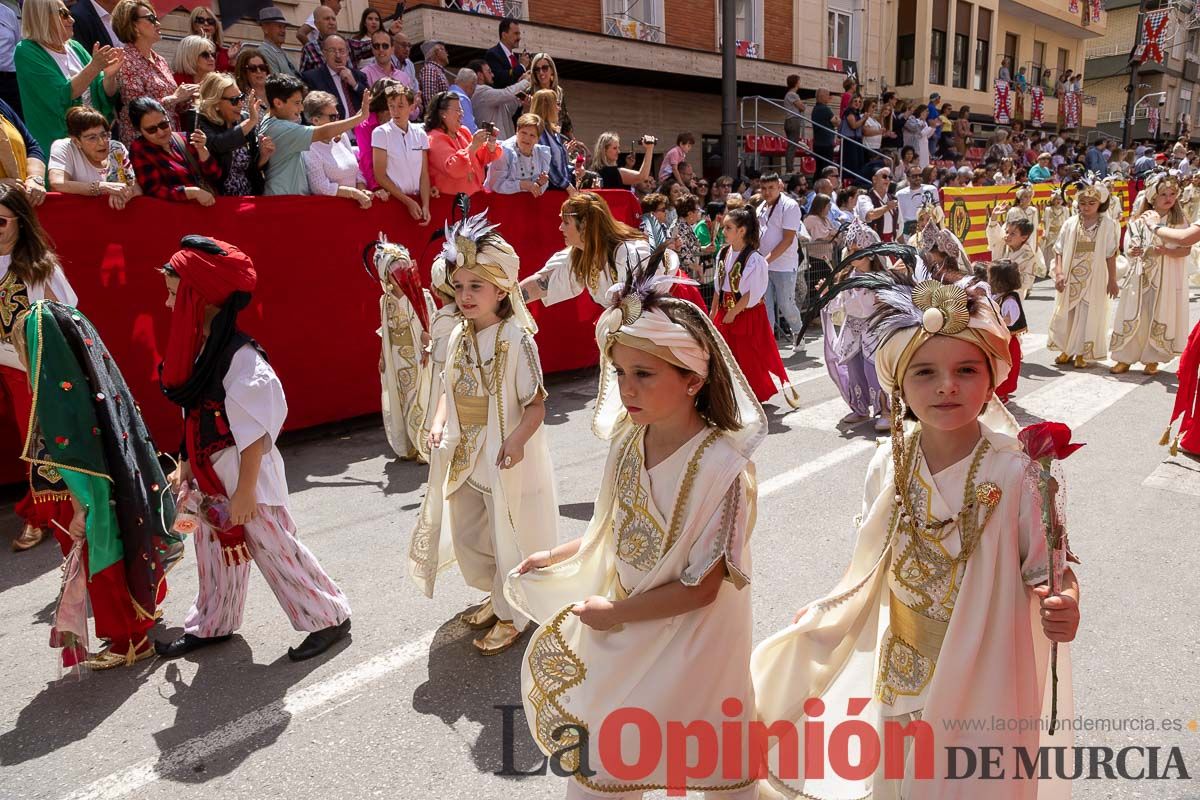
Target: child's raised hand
[596,612]
[1060,614]
[510,454]
[541,558]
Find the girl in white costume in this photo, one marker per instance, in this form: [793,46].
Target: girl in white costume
[441,325]
[1085,276]
[1015,242]
[404,369]
[1025,209]
[1054,216]
[651,607]
[1152,322]
[937,617]
[491,499]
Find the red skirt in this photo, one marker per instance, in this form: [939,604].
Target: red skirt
[34,511]
[689,292]
[1004,390]
[753,346]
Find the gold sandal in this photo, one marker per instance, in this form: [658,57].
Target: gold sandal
[1063,358]
[30,537]
[501,637]
[1119,368]
[479,617]
[108,658]
[1080,362]
[1151,369]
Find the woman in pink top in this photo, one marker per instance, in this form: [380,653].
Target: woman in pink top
[457,160]
[362,134]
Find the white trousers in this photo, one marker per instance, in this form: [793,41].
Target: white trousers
[473,529]
[309,597]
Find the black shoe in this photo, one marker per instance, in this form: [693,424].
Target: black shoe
[798,342]
[318,642]
[186,644]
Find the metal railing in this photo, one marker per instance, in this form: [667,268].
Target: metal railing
[760,127]
[628,27]
[513,9]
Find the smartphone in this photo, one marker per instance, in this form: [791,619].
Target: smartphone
[490,127]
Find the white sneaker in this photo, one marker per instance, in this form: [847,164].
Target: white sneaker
[883,425]
[853,419]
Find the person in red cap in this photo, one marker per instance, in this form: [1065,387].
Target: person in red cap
[234,409]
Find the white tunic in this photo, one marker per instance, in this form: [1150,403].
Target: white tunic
[1079,325]
[1152,321]
[56,287]
[562,285]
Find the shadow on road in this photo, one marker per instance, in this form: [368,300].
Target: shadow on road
[463,685]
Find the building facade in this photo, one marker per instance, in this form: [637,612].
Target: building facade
[1176,80]
[955,48]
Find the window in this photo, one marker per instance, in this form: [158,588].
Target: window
[983,50]
[937,42]
[1011,44]
[748,22]
[962,44]
[1064,60]
[840,36]
[1039,58]
[906,42]
[635,19]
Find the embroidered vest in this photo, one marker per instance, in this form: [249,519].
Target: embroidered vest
[14,300]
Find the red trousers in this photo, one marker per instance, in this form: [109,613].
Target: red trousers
[37,513]
[1004,390]
[112,607]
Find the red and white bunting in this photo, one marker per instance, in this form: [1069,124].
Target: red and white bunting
[1036,104]
[1000,103]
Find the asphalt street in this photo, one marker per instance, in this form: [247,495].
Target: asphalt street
[407,709]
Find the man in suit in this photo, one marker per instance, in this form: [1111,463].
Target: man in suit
[507,66]
[93,23]
[337,77]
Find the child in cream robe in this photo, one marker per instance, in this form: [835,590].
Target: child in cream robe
[1079,324]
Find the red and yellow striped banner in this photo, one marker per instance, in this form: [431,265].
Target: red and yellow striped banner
[968,209]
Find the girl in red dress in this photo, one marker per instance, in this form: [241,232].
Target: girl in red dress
[738,311]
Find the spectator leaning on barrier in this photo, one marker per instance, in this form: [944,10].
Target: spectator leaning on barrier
[168,166]
[493,105]
[285,169]
[524,165]
[332,166]
[22,163]
[545,107]
[89,162]
[54,72]
[229,119]
[400,154]
[274,28]
[604,161]
[432,76]
[457,159]
[144,73]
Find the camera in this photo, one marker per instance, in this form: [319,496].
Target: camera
[645,140]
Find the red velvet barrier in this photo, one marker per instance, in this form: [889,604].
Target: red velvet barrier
[316,309]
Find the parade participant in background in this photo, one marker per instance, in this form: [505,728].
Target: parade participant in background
[1053,217]
[930,219]
[1187,400]
[937,618]
[942,251]
[234,409]
[29,271]
[406,311]
[87,442]
[1152,315]
[600,251]
[1085,276]
[1025,209]
[1005,279]
[491,500]
[843,323]
[740,284]
[443,323]
[1014,242]
[657,587]
[1115,205]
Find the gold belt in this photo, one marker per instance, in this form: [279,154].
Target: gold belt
[1085,247]
[920,631]
[472,409]
[402,337]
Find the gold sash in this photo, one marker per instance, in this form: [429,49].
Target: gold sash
[1082,246]
[923,633]
[472,409]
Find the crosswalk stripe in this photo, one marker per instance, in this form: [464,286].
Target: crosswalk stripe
[819,464]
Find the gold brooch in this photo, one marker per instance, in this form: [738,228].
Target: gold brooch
[989,494]
[631,309]
[944,307]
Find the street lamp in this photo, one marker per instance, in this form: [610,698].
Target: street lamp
[1162,101]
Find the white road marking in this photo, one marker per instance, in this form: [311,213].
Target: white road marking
[1179,474]
[820,464]
[295,704]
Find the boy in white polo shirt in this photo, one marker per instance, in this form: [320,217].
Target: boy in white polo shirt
[400,154]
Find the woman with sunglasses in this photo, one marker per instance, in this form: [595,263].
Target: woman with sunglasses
[144,73]
[54,72]
[168,166]
[203,22]
[90,163]
[29,271]
[195,59]
[252,70]
[229,120]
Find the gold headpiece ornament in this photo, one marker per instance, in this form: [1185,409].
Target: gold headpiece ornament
[943,307]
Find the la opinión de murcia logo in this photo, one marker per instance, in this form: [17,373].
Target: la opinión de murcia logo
[697,751]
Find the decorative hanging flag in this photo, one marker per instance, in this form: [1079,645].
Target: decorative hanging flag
[1000,103]
[1036,100]
[1073,6]
[1071,108]
[1154,30]
[1097,7]
[1152,121]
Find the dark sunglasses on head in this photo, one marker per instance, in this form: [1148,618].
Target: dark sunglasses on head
[257,68]
[165,125]
[381,45]
[151,18]
[237,98]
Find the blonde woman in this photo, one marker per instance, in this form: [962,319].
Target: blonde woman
[229,119]
[195,59]
[543,74]
[604,161]
[203,22]
[54,72]
[545,105]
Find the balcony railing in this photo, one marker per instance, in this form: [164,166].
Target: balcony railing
[628,27]
[514,9]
